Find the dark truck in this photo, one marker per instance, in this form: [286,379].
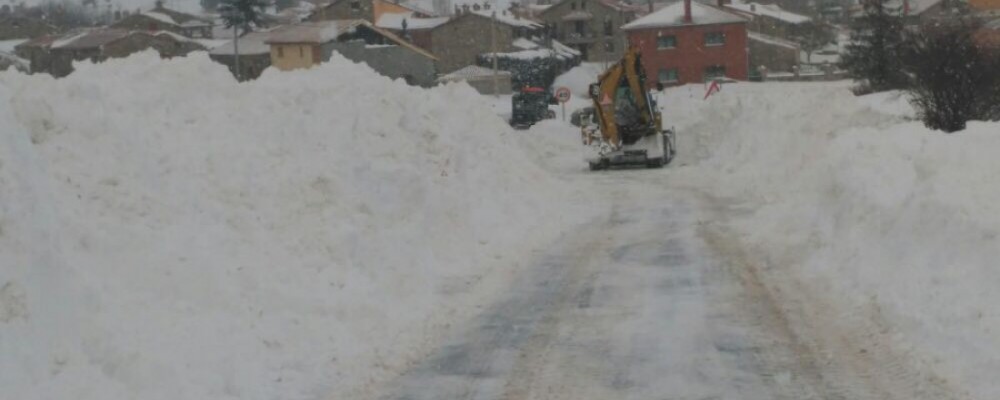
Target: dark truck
[531,105]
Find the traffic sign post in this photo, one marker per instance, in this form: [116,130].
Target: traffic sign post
[563,94]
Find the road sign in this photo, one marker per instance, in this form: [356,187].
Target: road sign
[563,94]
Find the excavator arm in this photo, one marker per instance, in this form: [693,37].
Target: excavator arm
[622,106]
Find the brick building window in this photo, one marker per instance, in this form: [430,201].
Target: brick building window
[715,72]
[715,39]
[666,42]
[667,75]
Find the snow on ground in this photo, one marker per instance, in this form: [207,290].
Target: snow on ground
[852,195]
[305,235]
[579,78]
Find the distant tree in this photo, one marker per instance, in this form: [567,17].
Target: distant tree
[814,37]
[872,57]
[953,80]
[241,15]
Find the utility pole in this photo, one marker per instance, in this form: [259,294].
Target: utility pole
[236,51]
[493,44]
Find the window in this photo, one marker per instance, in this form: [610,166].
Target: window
[302,52]
[608,27]
[715,39]
[609,47]
[666,42]
[715,72]
[572,6]
[583,5]
[281,51]
[667,75]
[355,6]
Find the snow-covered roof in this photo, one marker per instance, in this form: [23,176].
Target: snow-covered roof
[507,18]
[771,40]
[524,44]
[673,15]
[919,6]
[472,71]
[395,21]
[11,60]
[564,49]
[160,17]
[769,10]
[251,43]
[8,45]
[313,32]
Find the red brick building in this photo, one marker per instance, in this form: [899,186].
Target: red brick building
[689,42]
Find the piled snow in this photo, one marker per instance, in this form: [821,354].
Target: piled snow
[579,78]
[304,235]
[852,195]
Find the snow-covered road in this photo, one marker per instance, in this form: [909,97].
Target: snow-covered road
[656,299]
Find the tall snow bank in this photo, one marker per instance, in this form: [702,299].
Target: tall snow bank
[850,194]
[167,233]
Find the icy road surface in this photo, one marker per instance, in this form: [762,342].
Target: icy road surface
[656,300]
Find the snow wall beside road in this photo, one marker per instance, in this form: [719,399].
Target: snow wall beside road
[167,233]
[850,193]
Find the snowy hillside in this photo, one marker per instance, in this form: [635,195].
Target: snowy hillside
[168,234]
[852,196]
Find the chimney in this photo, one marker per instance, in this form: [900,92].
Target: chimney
[687,11]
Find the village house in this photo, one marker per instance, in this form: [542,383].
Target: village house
[769,53]
[691,43]
[411,26]
[307,44]
[255,55]
[770,19]
[458,42]
[55,54]
[14,27]
[918,12]
[591,26]
[164,19]
[368,10]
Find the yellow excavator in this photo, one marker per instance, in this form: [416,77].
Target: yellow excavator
[625,126]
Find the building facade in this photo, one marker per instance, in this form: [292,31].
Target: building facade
[458,42]
[163,19]
[691,43]
[55,55]
[12,27]
[308,44]
[591,26]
